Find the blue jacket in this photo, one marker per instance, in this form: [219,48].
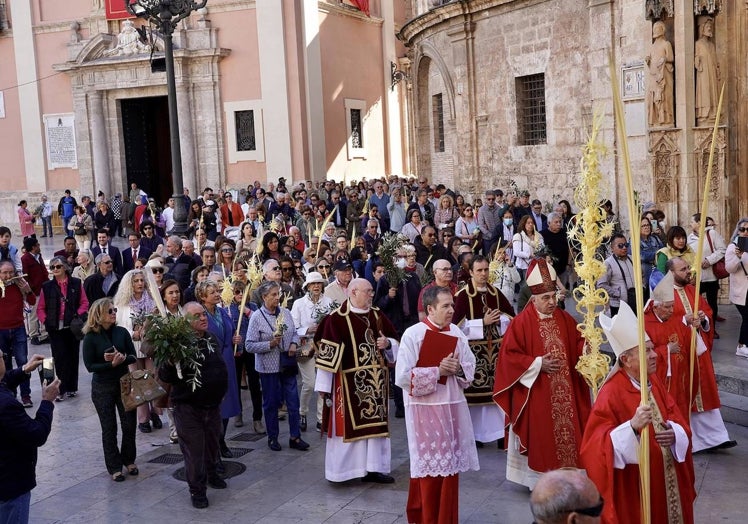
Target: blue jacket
[20,436]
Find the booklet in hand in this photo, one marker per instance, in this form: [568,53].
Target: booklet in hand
[434,348]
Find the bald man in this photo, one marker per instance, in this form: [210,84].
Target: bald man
[565,496]
[353,346]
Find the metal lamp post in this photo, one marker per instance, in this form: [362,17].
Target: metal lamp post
[166,15]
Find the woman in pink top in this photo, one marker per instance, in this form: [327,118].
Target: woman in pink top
[26,219]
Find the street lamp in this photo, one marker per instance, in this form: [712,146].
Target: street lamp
[166,15]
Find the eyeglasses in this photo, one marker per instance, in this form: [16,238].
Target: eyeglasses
[56,266]
[743,229]
[594,511]
[158,270]
[112,310]
[646,225]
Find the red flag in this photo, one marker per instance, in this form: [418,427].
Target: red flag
[115,10]
[363,6]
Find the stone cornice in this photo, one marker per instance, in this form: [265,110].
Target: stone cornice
[339,10]
[416,27]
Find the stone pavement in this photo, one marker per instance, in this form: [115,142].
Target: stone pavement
[289,486]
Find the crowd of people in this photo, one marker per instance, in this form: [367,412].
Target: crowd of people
[355,292]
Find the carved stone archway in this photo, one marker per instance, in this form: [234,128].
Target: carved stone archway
[101,78]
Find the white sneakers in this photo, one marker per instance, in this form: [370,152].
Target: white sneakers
[742,351]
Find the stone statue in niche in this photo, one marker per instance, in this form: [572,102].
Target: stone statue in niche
[128,41]
[707,73]
[659,97]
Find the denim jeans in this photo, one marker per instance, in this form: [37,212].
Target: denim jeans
[107,400]
[65,221]
[15,511]
[13,345]
[276,388]
[47,225]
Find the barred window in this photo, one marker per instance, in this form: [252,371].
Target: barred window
[245,130]
[531,109]
[357,130]
[437,122]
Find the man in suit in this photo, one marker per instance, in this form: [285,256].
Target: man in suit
[338,218]
[540,220]
[134,252]
[105,247]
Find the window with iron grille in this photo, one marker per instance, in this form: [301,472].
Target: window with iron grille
[357,131]
[245,130]
[3,16]
[531,109]
[437,122]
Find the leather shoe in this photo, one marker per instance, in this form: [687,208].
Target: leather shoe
[727,444]
[379,478]
[144,427]
[302,423]
[297,443]
[157,424]
[273,444]
[199,501]
[35,341]
[226,452]
[259,427]
[217,482]
[399,413]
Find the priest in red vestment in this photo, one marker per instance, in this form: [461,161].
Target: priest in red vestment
[545,399]
[481,309]
[610,449]
[353,347]
[707,426]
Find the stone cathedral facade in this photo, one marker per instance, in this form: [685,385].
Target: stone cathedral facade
[502,93]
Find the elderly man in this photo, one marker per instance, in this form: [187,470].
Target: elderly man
[189,249]
[179,264]
[271,271]
[338,290]
[546,400]
[197,412]
[434,366]
[489,218]
[565,496]
[618,279]
[13,340]
[104,282]
[37,274]
[372,237]
[339,210]
[353,345]
[610,448]
[442,278]
[708,428]
[558,243]
[381,199]
[20,436]
[479,307]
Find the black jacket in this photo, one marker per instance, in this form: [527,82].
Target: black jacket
[94,287]
[426,257]
[20,436]
[53,299]
[181,269]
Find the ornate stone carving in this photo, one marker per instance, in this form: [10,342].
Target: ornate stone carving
[703,140]
[75,36]
[129,42]
[707,73]
[665,158]
[658,9]
[660,79]
[711,7]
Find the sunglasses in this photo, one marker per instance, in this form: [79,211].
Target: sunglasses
[743,229]
[108,262]
[594,511]
[286,269]
[56,266]
[227,250]
[158,270]
[620,246]
[321,266]
[147,228]
[276,268]
[112,310]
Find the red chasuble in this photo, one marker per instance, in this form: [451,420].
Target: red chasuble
[549,418]
[662,333]
[706,396]
[616,404]
[345,345]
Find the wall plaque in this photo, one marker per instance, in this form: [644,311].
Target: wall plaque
[60,134]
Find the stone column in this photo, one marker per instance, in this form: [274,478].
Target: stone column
[187,139]
[313,84]
[99,145]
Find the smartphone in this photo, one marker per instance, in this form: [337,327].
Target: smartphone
[110,349]
[743,244]
[48,370]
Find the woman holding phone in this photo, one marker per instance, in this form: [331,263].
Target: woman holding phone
[107,351]
[736,263]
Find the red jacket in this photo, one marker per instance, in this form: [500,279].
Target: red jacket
[36,271]
[237,215]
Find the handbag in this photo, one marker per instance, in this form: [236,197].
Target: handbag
[139,387]
[289,367]
[718,268]
[76,327]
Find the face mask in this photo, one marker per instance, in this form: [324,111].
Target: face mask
[508,222]
[663,225]
[400,263]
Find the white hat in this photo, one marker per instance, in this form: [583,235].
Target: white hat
[622,330]
[541,277]
[154,263]
[313,278]
[665,289]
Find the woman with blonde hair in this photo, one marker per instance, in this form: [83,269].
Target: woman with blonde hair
[86,266]
[134,299]
[107,351]
[447,214]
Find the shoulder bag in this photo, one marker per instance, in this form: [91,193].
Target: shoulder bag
[139,387]
[719,269]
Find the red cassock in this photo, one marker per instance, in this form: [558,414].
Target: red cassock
[706,395]
[616,404]
[548,418]
[662,333]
